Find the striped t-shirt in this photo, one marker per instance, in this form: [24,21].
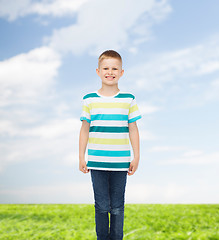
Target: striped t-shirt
[108,144]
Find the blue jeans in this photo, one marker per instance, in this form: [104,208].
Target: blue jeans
[109,195]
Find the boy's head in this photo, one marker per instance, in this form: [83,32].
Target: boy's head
[109,54]
[110,67]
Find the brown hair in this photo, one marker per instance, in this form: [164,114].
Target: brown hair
[109,54]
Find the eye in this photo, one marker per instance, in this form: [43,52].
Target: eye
[115,68]
[105,68]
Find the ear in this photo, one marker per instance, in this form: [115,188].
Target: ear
[98,71]
[122,72]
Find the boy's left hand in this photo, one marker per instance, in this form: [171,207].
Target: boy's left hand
[133,167]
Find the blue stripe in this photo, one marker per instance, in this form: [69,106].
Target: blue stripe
[119,117]
[90,95]
[84,118]
[105,153]
[120,95]
[125,95]
[134,119]
[108,129]
[108,164]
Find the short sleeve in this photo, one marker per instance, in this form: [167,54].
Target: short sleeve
[85,115]
[134,113]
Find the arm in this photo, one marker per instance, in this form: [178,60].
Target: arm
[83,139]
[134,138]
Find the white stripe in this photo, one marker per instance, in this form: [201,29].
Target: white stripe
[108,159]
[108,100]
[109,169]
[124,111]
[108,147]
[134,114]
[108,135]
[85,114]
[110,123]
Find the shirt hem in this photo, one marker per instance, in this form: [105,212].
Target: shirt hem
[109,169]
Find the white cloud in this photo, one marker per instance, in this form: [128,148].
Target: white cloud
[146,108]
[146,135]
[78,192]
[193,158]
[212,91]
[55,129]
[101,25]
[215,83]
[28,76]
[171,193]
[57,7]
[12,10]
[193,153]
[74,192]
[151,193]
[165,148]
[188,63]
[55,139]
[52,129]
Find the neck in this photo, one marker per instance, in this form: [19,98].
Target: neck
[108,90]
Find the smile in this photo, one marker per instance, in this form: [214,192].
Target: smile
[110,77]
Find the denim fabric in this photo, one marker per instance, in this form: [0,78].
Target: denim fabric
[109,195]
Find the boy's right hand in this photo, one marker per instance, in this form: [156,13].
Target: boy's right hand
[83,167]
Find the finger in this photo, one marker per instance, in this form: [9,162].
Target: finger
[132,171]
[82,169]
[130,167]
[86,170]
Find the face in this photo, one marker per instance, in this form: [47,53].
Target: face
[110,71]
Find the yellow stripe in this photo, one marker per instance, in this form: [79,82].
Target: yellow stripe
[133,108]
[109,105]
[111,141]
[86,109]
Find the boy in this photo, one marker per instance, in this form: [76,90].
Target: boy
[108,121]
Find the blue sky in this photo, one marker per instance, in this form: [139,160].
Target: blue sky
[48,57]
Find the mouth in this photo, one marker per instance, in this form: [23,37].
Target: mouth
[110,77]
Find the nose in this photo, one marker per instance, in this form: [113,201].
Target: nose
[110,71]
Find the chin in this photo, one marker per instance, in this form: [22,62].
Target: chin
[109,83]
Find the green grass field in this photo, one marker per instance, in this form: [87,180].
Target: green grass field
[142,221]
